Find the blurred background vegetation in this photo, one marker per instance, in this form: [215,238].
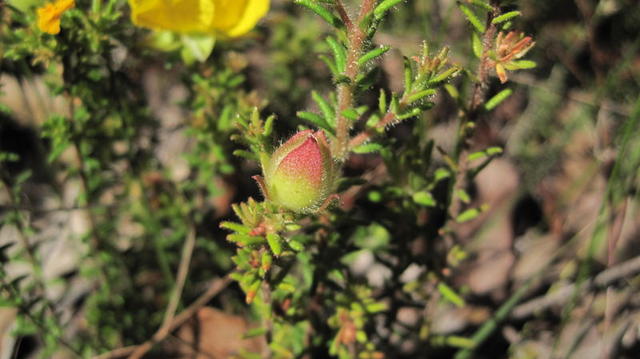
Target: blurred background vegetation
[113,155]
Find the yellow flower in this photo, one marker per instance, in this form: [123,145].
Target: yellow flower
[230,18]
[49,15]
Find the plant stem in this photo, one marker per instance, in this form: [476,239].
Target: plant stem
[138,351]
[477,99]
[343,15]
[356,38]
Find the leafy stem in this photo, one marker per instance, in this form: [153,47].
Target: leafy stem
[356,39]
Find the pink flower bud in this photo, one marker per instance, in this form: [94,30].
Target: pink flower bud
[300,173]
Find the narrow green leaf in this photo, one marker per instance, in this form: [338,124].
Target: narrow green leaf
[481,4]
[468,215]
[452,91]
[473,19]
[274,243]
[316,120]
[295,245]
[382,101]
[378,51]
[413,113]
[497,99]
[376,307]
[408,74]
[326,109]
[463,195]
[476,44]
[424,198]
[505,17]
[491,151]
[441,174]
[330,64]
[268,126]
[339,53]
[323,12]
[421,94]
[524,64]
[384,6]
[445,75]
[449,294]
[245,154]
[368,148]
[237,227]
[351,114]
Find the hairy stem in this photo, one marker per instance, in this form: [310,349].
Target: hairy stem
[356,38]
[477,99]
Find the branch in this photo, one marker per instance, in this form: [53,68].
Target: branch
[477,99]
[356,39]
[343,15]
[560,296]
[214,289]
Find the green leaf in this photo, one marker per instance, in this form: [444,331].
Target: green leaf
[440,174]
[497,99]
[274,243]
[368,148]
[524,64]
[421,94]
[424,198]
[330,64]
[268,126]
[373,54]
[463,195]
[351,114]
[472,18]
[382,101]
[339,53]
[469,214]
[413,113]
[244,154]
[505,17]
[491,151]
[326,109]
[384,6]
[316,120]
[295,245]
[476,44]
[445,75]
[323,12]
[481,4]
[408,74]
[237,227]
[450,295]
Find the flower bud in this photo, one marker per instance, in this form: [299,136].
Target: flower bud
[300,173]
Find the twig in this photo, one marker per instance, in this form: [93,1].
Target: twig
[356,39]
[563,294]
[183,270]
[268,320]
[214,289]
[343,15]
[472,113]
[489,326]
[167,322]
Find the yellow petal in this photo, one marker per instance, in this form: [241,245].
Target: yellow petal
[237,17]
[49,15]
[48,21]
[174,15]
[64,5]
